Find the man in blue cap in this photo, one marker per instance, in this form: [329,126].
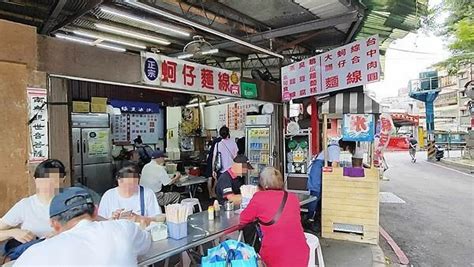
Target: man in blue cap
[154,176]
[81,240]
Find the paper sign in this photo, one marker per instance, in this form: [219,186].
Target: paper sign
[98,143]
[38,116]
[358,127]
[383,138]
[301,79]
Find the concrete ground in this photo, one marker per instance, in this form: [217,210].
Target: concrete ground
[350,254]
[435,227]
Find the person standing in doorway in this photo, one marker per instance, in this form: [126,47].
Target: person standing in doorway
[224,153]
[211,182]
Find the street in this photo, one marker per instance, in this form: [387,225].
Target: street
[435,227]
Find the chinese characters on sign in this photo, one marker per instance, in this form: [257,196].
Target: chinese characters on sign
[184,75]
[301,79]
[358,127]
[354,64]
[38,114]
[150,68]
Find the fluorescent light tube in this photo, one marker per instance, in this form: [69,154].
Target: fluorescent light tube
[136,35]
[199,26]
[111,47]
[109,39]
[209,52]
[88,42]
[185,56]
[124,15]
[74,39]
[219,100]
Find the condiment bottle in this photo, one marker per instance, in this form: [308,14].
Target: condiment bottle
[217,208]
[210,213]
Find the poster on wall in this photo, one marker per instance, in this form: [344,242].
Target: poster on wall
[120,128]
[145,125]
[98,143]
[190,76]
[358,127]
[38,123]
[236,116]
[354,64]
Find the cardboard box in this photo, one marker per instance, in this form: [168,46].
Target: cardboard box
[98,108]
[99,100]
[80,106]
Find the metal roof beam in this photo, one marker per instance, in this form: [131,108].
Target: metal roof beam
[90,5]
[53,16]
[296,29]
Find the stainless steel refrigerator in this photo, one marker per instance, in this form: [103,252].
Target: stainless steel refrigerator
[259,145]
[91,140]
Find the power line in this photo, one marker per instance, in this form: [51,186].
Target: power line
[411,51]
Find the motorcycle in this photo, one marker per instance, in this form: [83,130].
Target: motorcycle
[439,152]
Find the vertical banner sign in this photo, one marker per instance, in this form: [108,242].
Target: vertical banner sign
[358,127]
[38,118]
[354,64]
[301,79]
[189,76]
[150,68]
[383,138]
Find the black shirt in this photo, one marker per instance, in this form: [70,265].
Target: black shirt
[226,185]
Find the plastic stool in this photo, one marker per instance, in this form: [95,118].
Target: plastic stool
[314,247]
[191,202]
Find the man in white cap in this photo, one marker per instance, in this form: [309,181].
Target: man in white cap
[82,241]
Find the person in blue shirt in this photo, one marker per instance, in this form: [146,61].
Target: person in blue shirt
[316,172]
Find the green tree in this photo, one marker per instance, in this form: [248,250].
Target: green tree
[459,30]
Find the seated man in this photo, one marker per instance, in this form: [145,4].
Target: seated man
[154,177]
[82,241]
[230,181]
[130,200]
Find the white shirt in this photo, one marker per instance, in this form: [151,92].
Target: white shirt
[106,243]
[30,214]
[334,153]
[112,201]
[154,176]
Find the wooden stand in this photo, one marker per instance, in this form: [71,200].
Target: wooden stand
[350,206]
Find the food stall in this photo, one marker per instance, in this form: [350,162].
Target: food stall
[350,195]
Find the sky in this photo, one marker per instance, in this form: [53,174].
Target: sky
[401,66]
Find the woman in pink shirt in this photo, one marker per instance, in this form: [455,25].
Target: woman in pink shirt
[283,242]
[227,148]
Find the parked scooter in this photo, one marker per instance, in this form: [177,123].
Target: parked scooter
[439,152]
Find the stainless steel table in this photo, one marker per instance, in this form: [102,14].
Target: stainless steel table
[191,182]
[305,199]
[201,231]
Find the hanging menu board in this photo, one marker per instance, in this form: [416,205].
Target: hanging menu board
[236,116]
[120,128]
[127,127]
